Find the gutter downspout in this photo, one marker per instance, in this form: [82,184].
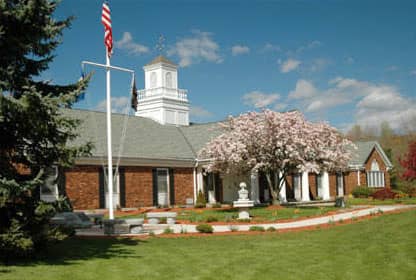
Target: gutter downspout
[195,180]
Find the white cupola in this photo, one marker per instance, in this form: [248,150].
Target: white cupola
[161,99]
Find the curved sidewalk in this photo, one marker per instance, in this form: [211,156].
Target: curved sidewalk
[191,228]
[178,228]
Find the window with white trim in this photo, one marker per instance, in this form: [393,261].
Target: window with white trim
[319,186]
[297,186]
[49,189]
[375,177]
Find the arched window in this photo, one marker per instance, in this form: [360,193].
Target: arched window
[169,80]
[374,166]
[153,80]
[375,177]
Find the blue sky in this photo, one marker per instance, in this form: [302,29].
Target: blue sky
[344,62]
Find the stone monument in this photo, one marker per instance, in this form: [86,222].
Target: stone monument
[243,203]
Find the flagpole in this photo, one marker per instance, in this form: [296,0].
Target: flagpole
[109,147]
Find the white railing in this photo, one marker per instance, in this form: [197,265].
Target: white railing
[181,94]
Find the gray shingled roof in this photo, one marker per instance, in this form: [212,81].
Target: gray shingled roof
[361,154]
[198,135]
[147,139]
[144,138]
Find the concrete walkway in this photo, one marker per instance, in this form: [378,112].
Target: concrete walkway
[188,228]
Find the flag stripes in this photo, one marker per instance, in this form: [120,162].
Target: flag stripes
[108,32]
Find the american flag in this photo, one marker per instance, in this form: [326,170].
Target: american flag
[108,35]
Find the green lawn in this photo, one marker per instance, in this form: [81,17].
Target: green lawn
[369,201]
[381,248]
[259,214]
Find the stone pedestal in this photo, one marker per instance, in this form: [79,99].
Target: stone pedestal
[243,203]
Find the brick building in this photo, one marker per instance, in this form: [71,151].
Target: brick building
[156,154]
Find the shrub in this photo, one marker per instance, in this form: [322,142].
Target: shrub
[362,192]
[200,200]
[400,194]
[407,188]
[168,231]
[216,205]
[256,228]
[211,219]
[228,218]
[383,194]
[204,228]
[271,229]
[163,220]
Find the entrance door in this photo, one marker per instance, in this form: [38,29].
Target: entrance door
[116,189]
[163,186]
[210,188]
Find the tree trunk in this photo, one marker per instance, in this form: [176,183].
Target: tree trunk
[273,192]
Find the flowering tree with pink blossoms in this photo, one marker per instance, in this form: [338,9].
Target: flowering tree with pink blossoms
[276,144]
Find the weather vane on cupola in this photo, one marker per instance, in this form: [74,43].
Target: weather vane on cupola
[160,46]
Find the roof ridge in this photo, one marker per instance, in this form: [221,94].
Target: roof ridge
[187,141]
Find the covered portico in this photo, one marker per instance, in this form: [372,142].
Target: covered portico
[297,189]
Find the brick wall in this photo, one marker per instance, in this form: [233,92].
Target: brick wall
[312,185]
[350,180]
[184,185]
[139,186]
[376,156]
[332,184]
[81,184]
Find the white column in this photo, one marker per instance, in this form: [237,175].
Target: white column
[211,193]
[325,185]
[297,186]
[254,182]
[282,194]
[358,177]
[195,184]
[305,186]
[200,180]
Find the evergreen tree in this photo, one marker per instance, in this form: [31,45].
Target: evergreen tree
[34,132]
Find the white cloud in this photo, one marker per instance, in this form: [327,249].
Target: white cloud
[200,112]
[127,43]
[239,49]
[318,64]
[259,99]
[342,91]
[270,47]
[280,106]
[327,102]
[289,65]
[200,47]
[303,89]
[118,105]
[372,103]
[311,45]
[385,103]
